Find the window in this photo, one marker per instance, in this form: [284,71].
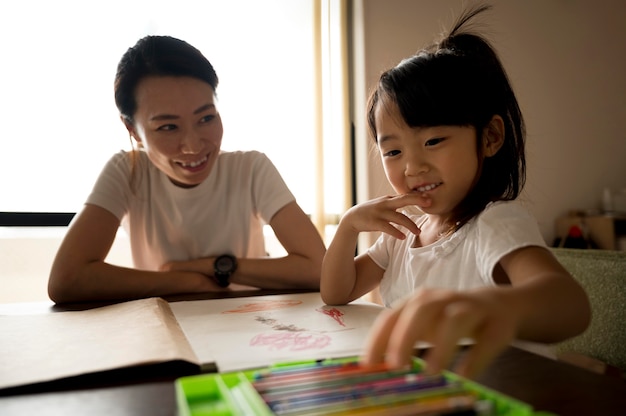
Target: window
[60,120]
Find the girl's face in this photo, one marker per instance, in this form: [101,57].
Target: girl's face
[439,163]
[179,127]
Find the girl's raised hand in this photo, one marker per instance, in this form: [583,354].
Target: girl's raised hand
[443,318]
[381,214]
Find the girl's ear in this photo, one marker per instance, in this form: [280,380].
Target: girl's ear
[493,136]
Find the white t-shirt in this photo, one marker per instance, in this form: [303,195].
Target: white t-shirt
[461,261]
[223,214]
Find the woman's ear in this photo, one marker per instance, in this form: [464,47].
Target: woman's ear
[493,136]
[131,129]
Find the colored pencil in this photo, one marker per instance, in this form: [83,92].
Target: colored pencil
[404,383]
[329,388]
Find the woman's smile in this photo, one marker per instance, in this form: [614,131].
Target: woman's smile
[193,166]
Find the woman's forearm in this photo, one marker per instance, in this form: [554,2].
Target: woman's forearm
[98,280]
[292,271]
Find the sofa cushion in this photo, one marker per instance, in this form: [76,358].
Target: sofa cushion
[602,273]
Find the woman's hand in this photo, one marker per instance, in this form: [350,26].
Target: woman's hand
[443,318]
[203,266]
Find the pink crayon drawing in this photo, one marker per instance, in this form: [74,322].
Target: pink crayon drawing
[334,313]
[266,305]
[291,341]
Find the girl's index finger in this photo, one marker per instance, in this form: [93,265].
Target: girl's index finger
[406,222]
[376,344]
[404,201]
[416,199]
[412,198]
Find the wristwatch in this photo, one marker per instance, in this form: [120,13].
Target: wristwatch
[224,266]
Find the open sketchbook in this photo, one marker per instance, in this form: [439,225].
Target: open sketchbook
[221,334]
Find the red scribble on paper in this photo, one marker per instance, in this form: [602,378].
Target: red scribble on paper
[291,341]
[334,313]
[264,305]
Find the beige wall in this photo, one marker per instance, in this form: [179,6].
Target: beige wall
[567,63]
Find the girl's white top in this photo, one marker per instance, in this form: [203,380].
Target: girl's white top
[463,260]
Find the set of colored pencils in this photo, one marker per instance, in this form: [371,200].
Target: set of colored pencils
[349,388]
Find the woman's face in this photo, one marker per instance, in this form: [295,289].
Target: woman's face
[179,127]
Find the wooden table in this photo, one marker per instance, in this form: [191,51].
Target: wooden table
[545,384]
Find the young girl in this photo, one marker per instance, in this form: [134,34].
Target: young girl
[193,214]
[473,263]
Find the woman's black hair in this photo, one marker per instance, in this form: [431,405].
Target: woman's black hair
[460,81]
[157,56]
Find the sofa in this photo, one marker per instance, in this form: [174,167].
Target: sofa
[602,273]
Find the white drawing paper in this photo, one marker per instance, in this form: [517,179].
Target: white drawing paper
[252,332]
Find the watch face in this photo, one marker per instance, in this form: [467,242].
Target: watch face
[224,264]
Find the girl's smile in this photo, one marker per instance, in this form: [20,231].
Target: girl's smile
[429,187]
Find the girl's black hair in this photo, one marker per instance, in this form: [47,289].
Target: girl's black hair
[460,81]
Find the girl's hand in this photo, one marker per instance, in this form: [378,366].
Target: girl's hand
[443,318]
[381,214]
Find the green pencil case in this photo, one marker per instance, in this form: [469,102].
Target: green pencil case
[233,394]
